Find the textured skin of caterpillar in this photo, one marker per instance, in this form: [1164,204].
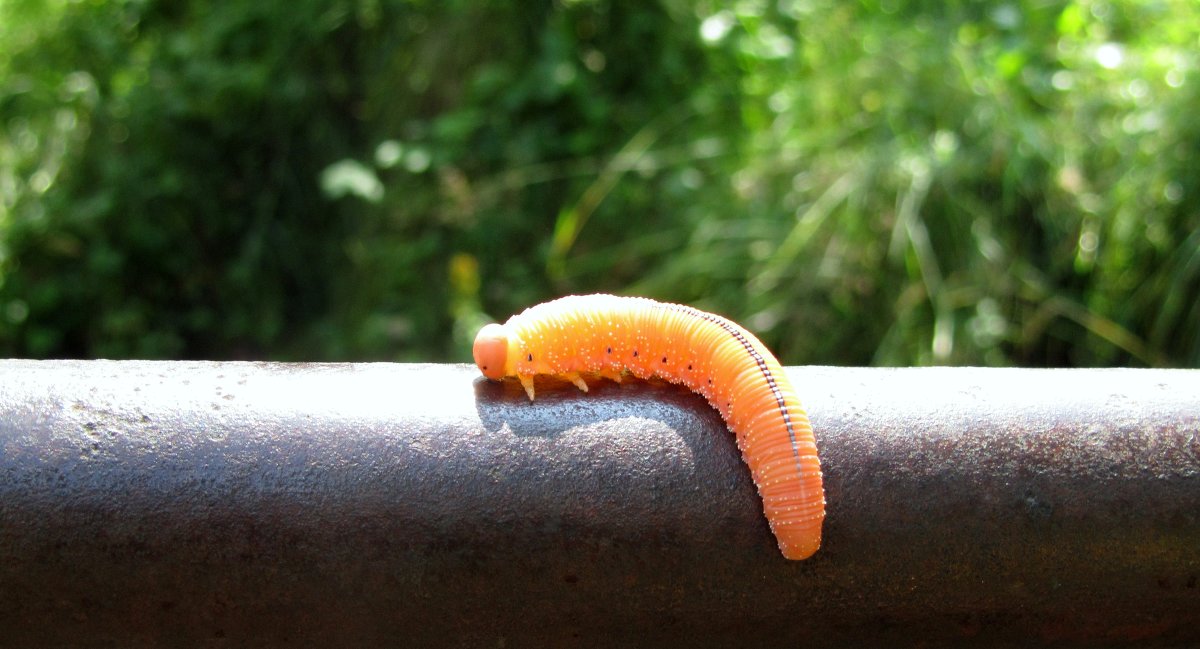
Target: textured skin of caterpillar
[613,336]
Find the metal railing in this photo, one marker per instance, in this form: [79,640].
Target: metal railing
[167,503]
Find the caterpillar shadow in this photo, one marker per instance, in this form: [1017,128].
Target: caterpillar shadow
[560,407]
[635,416]
[650,447]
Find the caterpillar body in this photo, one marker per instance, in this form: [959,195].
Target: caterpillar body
[613,336]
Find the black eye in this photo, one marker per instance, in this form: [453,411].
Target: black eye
[610,350]
[529,357]
[664,359]
[635,353]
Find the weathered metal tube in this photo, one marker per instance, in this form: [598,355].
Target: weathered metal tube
[165,503]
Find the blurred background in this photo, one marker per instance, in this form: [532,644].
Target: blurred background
[872,182]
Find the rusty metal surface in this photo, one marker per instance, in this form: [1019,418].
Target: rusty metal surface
[151,504]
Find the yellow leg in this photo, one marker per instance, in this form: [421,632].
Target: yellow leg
[574,377]
[527,383]
[614,375]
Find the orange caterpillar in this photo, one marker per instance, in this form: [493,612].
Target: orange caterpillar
[609,336]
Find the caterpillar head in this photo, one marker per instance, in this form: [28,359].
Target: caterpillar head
[491,351]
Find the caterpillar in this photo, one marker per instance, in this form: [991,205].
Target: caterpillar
[613,336]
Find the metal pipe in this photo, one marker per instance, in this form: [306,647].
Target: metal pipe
[163,503]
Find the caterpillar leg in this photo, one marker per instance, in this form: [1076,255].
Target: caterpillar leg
[574,377]
[613,375]
[527,383]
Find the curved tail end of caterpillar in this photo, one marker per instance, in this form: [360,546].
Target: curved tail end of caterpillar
[801,541]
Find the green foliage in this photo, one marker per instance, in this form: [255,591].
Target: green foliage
[977,184]
[159,164]
[861,183]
